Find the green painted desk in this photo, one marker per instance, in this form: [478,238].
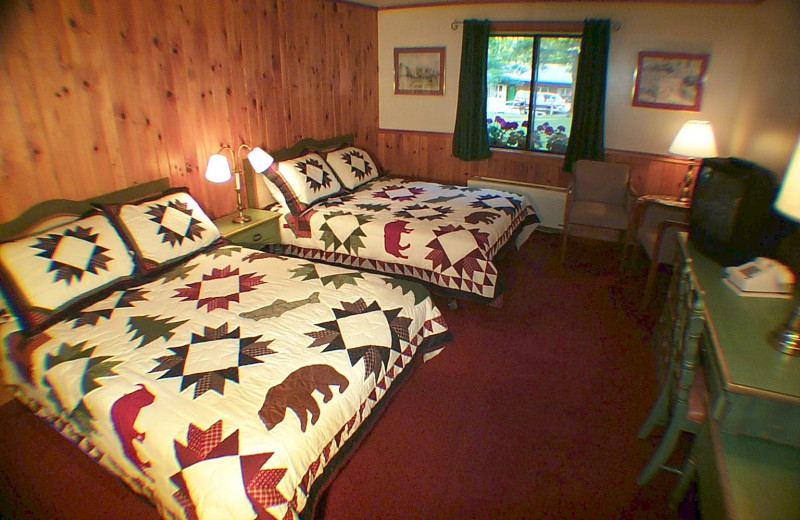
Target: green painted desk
[748,455]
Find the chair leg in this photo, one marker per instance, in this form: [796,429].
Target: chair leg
[652,271]
[564,234]
[662,453]
[659,413]
[688,473]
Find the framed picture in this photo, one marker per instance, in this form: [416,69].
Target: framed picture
[419,71]
[669,80]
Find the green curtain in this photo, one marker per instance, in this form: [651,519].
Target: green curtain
[471,137]
[588,115]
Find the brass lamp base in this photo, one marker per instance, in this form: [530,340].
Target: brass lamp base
[687,183]
[787,338]
[241,218]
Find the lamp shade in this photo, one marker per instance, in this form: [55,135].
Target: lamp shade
[788,200]
[218,169]
[260,160]
[695,139]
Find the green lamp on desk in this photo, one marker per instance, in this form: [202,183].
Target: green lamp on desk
[787,338]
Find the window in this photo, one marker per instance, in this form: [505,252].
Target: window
[531,111]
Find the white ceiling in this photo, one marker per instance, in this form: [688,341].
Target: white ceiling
[405,3]
[400,3]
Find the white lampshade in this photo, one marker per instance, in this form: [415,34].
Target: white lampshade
[218,169]
[260,160]
[788,200]
[695,139]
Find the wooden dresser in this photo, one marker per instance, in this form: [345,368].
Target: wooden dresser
[748,454]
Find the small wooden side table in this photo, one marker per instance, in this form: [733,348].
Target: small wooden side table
[262,230]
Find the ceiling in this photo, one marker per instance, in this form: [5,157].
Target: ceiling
[408,3]
[401,3]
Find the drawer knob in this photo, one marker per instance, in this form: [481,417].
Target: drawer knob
[257,237]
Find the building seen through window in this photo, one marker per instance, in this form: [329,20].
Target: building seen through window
[527,110]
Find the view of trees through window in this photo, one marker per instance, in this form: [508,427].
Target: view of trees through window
[527,111]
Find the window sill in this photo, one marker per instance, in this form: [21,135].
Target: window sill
[512,151]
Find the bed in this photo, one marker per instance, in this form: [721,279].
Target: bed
[218,381]
[337,206]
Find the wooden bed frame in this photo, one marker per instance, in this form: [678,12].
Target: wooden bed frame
[34,216]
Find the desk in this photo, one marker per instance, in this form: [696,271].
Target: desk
[748,453]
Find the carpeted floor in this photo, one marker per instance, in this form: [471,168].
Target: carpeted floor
[530,413]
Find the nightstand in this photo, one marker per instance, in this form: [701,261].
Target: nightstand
[261,231]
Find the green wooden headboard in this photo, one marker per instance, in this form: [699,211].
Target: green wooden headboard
[297,149]
[48,209]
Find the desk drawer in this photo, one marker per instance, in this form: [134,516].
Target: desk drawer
[763,418]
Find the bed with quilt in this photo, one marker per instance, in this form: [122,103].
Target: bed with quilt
[218,381]
[338,207]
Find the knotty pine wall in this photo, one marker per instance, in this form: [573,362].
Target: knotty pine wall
[97,95]
[428,155]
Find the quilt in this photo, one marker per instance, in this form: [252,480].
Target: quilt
[226,386]
[446,236]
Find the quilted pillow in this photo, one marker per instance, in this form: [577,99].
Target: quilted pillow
[164,229]
[44,274]
[303,181]
[353,166]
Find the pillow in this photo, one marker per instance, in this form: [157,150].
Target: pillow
[44,274]
[164,229]
[303,181]
[352,166]
[264,192]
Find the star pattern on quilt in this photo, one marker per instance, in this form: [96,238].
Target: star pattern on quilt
[173,225]
[212,358]
[209,449]
[179,272]
[508,205]
[359,166]
[92,315]
[399,192]
[73,253]
[424,212]
[219,288]
[94,368]
[150,328]
[338,279]
[336,201]
[314,172]
[77,359]
[355,329]
[343,229]
[376,208]
[459,248]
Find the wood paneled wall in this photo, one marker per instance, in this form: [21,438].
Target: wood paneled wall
[96,95]
[428,156]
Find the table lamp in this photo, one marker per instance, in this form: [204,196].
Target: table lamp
[219,170]
[787,338]
[695,140]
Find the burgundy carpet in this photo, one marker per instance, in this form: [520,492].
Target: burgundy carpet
[530,413]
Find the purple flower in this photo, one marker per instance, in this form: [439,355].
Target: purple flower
[525,124]
[561,128]
[499,120]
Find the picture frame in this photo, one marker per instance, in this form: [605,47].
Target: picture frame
[419,71]
[669,80]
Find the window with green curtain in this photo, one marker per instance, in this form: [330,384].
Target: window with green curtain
[515,73]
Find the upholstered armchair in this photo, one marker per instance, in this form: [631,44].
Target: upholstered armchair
[654,223]
[600,195]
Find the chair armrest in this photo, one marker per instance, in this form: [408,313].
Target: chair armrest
[663,227]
